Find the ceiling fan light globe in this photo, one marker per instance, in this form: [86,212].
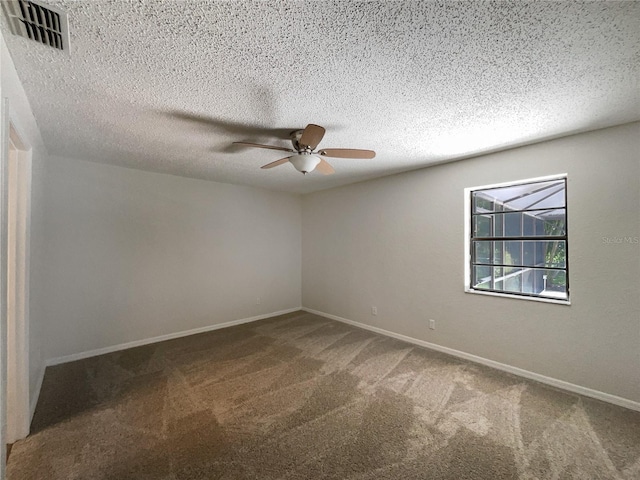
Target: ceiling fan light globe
[305,162]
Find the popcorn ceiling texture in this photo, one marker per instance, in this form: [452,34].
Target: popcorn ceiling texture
[167,85]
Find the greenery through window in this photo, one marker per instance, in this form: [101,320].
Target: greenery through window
[518,242]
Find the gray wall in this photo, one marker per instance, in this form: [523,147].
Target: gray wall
[24,122]
[397,243]
[132,255]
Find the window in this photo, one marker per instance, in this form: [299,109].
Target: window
[517,239]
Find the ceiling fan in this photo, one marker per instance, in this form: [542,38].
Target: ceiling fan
[304,158]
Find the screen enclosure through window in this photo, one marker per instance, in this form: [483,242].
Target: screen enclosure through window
[517,242]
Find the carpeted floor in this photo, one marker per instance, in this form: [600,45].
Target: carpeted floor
[302,397]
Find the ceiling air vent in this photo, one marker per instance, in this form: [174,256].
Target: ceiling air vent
[39,22]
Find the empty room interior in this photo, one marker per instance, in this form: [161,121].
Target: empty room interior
[320,240]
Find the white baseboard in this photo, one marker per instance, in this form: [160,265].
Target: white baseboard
[161,338]
[588,392]
[33,402]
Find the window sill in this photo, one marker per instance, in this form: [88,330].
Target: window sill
[519,297]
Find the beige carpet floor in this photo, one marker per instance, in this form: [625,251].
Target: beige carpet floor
[302,397]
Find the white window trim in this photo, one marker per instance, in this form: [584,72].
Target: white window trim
[467,240]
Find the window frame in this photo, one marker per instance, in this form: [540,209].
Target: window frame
[469,243]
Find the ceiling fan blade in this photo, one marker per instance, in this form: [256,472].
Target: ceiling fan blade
[347,153]
[311,136]
[276,163]
[324,168]
[258,145]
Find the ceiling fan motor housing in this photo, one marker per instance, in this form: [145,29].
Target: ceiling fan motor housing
[295,140]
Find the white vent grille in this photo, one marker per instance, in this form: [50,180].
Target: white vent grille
[38,22]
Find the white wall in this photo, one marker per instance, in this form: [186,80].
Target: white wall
[22,119]
[397,243]
[132,255]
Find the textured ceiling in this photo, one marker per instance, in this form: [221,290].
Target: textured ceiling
[167,85]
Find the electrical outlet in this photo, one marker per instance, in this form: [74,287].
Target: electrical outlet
[432,324]
[374,310]
[258,300]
